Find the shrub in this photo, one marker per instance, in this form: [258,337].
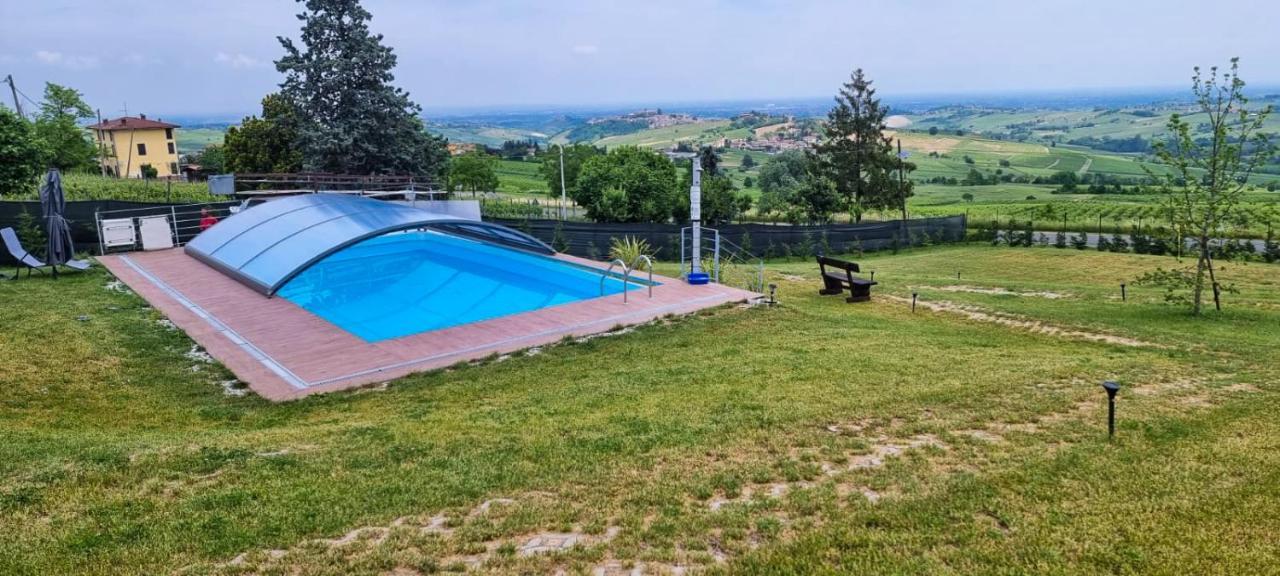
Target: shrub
[1060,240]
[30,233]
[1080,241]
[1118,243]
[1271,248]
[628,249]
[509,210]
[745,242]
[559,242]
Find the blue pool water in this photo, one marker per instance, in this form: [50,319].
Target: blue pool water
[407,283]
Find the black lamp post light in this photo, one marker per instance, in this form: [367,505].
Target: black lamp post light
[773,294]
[914,294]
[1111,387]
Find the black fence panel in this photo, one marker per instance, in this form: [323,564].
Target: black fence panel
[592,240]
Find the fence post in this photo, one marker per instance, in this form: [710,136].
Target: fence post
[173,214]
[102,240]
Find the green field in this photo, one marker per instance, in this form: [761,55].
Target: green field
[1009,202]
[519,177]
[196,139]
[1145,121]
[813,437]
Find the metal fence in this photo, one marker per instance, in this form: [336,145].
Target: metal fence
[83,216]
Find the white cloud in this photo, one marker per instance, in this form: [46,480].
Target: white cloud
[238,60]
[587,49]
[71,61]
[136,59]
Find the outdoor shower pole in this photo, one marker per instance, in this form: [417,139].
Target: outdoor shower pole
[695,216]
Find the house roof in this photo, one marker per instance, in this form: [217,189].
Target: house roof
[132,123]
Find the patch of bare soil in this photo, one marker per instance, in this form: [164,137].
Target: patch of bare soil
[1035,326]
[525,545]
[1002,292]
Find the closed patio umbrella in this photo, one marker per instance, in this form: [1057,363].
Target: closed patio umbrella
[52,204]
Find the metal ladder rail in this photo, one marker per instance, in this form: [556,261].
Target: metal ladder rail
[626,274]
[648,262]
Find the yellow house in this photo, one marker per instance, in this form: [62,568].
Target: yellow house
[129,143]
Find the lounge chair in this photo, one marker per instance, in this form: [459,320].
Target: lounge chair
[24,258]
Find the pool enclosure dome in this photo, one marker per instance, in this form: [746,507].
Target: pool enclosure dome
[266,246]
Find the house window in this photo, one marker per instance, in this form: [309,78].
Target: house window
[142,149]
[171,147]
[173,167]
[168,133]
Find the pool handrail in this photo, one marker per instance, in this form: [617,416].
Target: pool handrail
[626,273]
[649,263]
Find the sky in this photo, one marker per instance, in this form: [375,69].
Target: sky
[212,57]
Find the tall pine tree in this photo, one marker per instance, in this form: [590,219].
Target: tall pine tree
[854,153]
[351,119]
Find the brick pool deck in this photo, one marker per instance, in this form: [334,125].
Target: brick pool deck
[284,352]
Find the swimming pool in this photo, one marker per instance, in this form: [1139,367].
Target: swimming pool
[411,282]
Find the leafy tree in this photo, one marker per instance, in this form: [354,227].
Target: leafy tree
[212,159]
[933,130]
[148,172]
[1210,173]
[266,144]
[854,153]
[710,161]
[1066,180]
[967,197]
[628,184]
[473,171]
[748,161]
[351,119]
[19,154]
[780,180]
[748,182]
[57,128]
[817,199]
[574,156]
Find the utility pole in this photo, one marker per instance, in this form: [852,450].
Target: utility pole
[17,105]
[102,147]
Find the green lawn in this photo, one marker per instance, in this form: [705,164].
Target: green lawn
[699,441]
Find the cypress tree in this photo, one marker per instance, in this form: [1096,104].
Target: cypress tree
[854,152]
[351,119]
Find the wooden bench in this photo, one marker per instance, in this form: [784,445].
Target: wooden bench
[835,282]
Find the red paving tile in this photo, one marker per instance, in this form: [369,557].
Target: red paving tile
[284,352]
